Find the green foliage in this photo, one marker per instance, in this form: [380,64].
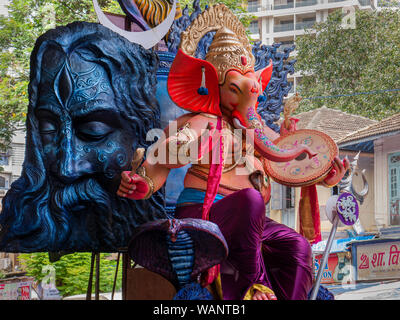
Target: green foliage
[72,271]
[238,7]
[337,61]
[26,21]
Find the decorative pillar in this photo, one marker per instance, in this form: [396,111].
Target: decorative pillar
[380,185]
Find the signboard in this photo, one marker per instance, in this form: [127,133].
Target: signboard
[16,289]
[337,270]
[377,259]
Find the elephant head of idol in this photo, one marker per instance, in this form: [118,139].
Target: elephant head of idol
[225,83]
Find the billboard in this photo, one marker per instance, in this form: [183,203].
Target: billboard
[376,259]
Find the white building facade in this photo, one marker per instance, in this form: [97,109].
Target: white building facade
[282,21]
[11,162]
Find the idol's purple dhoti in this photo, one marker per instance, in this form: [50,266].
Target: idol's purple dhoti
[260,250]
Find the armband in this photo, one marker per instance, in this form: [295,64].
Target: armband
[179,144]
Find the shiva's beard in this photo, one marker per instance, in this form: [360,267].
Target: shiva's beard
[85,207]
[42,215]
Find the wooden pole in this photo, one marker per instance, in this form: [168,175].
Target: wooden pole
[90,282]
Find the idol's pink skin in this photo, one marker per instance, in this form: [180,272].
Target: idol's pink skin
[135,187]
[238,101]
[337,172]
[239,95]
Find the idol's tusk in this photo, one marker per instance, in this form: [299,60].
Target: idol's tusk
[237,124]
[147,39]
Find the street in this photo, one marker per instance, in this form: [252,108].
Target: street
[382,290]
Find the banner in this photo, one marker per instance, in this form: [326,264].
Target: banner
[337,270]
[377,260]
[16,289]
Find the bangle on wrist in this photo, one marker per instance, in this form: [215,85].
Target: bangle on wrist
[141,171]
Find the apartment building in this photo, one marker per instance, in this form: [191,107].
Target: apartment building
[282,21]
[11,162]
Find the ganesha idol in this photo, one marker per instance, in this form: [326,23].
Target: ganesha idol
[266,260]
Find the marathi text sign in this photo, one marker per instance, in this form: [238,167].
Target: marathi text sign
[378,260]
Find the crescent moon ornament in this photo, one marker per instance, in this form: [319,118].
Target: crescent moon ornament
[146,39]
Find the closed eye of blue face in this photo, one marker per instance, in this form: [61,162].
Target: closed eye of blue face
[93,130]
[48,122]
[47,126]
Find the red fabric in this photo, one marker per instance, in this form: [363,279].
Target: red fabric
[184,80]
[214,178]
[215,173]
[266,75]
[310,224]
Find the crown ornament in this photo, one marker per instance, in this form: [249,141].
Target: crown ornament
[230,48]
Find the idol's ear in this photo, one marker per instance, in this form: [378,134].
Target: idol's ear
[264,75]
[193,84]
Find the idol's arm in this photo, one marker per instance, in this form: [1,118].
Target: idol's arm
[187,143]
[141,185]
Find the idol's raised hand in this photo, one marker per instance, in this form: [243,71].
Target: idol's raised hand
[337,172]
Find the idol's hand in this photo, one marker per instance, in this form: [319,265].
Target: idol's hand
[289,126]
[133,186]
[337,172]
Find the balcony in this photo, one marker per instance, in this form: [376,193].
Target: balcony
[284,6]
[304,25]
[306,3]
[284,27]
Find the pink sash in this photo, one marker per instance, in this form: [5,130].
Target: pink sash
[214,178]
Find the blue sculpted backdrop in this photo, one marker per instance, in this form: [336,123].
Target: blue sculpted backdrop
[93,96]
[91,104]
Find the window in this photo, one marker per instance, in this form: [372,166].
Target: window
[4,183]
[394,192]
[282,198]
[288,212]
[253,27]
[252,6]
[289,198]
[4,159]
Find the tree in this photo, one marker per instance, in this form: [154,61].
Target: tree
[338,61]
[238,7]
[26,21]
[71,271]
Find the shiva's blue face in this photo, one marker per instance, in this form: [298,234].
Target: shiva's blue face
[81,130]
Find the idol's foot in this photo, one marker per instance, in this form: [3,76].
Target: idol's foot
[258,295]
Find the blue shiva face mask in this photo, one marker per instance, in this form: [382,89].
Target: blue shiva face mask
[91,104]
[82,132]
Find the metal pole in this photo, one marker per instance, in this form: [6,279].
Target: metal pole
[325,257]
[115,277]
[90,283]
[97,284]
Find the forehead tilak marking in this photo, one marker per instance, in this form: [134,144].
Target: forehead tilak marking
[73,87]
